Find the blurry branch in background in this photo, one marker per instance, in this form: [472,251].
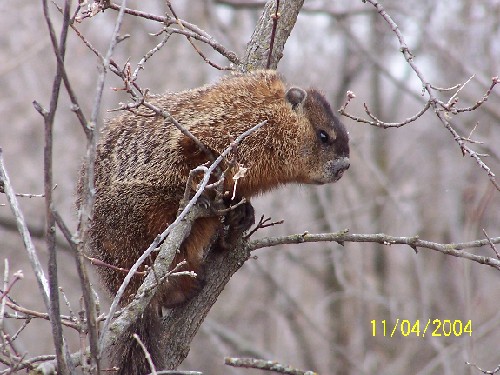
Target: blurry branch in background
[442,110]
[35,231]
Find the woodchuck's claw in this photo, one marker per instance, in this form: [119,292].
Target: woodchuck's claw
[204,202]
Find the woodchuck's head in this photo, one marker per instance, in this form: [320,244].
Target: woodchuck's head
[325,148]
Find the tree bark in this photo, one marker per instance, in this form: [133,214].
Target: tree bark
[257,52]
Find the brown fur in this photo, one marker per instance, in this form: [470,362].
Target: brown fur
[143,163]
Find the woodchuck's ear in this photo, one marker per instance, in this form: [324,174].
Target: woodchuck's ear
[295,96]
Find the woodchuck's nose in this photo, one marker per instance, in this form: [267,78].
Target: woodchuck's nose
[339,166]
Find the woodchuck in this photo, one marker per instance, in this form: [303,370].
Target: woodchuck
[143,163]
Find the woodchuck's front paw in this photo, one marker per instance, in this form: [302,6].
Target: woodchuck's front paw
[241,218]
[238,220]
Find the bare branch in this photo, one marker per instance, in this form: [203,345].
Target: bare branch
[25,234]
[6,289]
[263,223]
[376,122]
[494,82]
[65,230]
[75,107]
[181,25]
[454,249]
[100,263]
[169,118]
[150,54]
[29,314]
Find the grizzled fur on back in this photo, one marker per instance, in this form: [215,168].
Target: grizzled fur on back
[143,163]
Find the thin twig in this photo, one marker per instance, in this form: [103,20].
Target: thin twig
[263,223]
[8,285]
[29,195]
[494,82]
[29,314]
[149,54]
[98,262]
[22,328]
[6,290]
[146,354]
[65,230]
[75,107]
[454,98]
[170,119]
[492,245]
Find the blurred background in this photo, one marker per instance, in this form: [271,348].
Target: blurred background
[309,305]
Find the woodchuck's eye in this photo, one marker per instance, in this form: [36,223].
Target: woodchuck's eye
[323,136]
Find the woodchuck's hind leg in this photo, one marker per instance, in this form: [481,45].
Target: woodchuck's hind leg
[181,288]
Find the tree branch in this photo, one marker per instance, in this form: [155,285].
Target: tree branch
[257,52]
[454,249]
